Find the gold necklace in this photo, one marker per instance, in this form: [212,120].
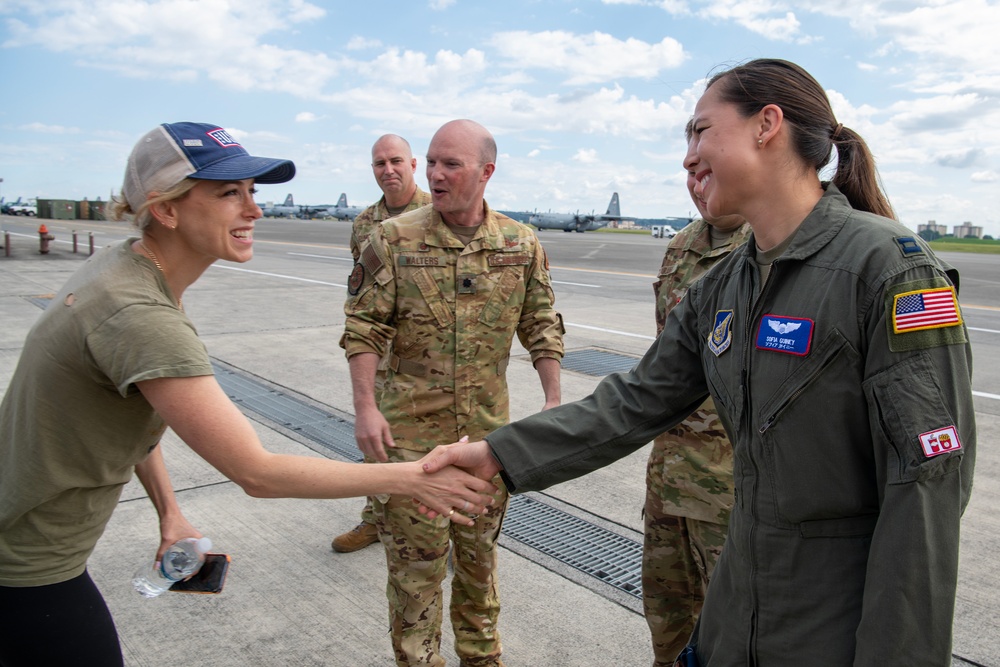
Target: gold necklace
[145,249]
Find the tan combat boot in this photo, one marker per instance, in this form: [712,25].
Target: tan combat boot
[358,537]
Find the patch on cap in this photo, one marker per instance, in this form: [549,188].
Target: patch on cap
[222,138]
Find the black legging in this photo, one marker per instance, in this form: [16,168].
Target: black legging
[60,624]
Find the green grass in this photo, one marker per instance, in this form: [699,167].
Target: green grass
[967,245]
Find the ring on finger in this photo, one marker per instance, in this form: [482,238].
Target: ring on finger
[465,506]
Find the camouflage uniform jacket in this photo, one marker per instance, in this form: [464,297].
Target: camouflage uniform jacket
[450,313]
[691,465]
[377,213]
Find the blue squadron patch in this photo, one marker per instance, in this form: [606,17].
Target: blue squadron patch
[722,332]
[791,335]
[909,246]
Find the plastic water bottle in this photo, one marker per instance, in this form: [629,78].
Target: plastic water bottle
[181,560]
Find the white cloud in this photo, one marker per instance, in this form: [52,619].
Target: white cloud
[440,5]
[758,16]
[591,58]
[48,129]
[183,40]
[448,70]
[586,156]
[306,117]
[358,43]
[985,177]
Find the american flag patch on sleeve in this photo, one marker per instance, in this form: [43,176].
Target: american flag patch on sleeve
[925,309]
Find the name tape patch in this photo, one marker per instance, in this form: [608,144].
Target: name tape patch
[417,260]
[509,260]
[940,441]
[790,335]
[925,309]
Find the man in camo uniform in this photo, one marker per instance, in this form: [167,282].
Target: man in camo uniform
[689,478]
[394,166]
[447,287]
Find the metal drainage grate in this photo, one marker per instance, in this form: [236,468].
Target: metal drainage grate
[608,556]
[598,552]
[598,362]
[318,425]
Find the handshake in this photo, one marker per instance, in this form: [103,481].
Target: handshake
[468,464]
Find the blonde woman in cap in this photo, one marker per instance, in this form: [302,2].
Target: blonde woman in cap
[118,360]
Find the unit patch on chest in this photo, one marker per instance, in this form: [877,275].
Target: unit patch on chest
[722,332]
[779,333]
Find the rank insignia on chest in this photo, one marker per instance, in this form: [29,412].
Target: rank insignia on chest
[722,332]
[791,335]
[466,283]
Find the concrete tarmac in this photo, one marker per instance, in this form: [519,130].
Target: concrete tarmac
[289,600]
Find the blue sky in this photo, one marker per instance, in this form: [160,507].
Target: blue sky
[585,98]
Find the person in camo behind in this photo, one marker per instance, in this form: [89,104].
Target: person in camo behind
[394,166]
[447,286]
[689,477]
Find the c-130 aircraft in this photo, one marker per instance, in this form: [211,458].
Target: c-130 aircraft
[578,222]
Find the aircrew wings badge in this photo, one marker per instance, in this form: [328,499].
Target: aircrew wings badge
[722,332]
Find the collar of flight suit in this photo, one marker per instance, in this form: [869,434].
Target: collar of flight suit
[823,223]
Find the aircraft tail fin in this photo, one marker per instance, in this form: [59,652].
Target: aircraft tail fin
[289,200]
[613,209]
[342,202]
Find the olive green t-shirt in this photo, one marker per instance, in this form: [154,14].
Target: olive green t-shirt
[72,422]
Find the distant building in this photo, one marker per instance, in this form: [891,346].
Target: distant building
[933,226]
[966,230]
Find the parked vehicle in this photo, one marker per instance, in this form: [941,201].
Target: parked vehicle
[663,231]
[28,208]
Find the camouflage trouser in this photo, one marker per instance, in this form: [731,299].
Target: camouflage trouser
[416,551]
[367,514]
[678,557]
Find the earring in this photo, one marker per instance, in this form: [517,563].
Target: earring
[760,143]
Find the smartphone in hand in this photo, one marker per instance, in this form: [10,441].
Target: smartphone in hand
[209,579]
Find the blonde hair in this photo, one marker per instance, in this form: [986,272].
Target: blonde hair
[121,210]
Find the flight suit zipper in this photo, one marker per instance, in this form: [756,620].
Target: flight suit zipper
[752,306]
